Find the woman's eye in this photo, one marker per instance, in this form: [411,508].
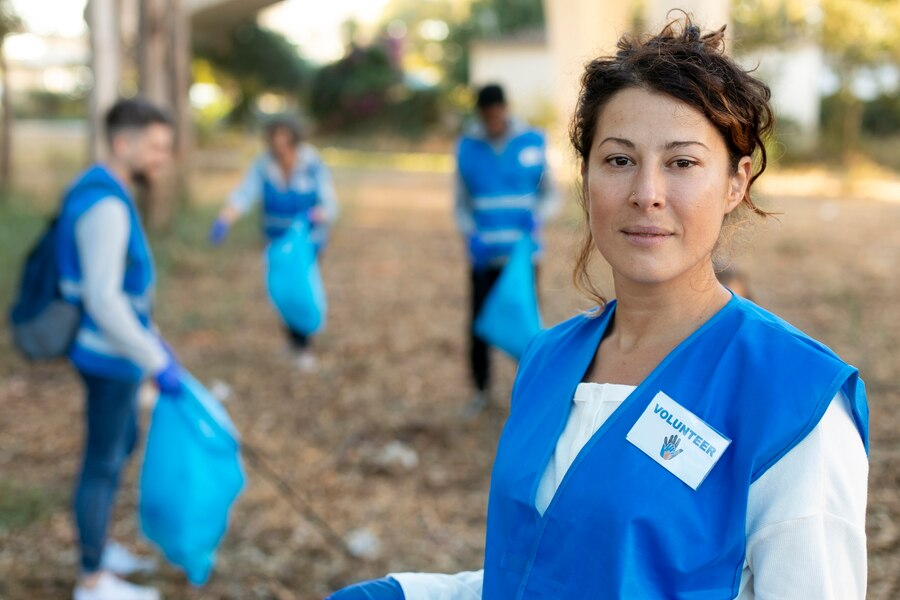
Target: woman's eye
[683,163]
[619,161]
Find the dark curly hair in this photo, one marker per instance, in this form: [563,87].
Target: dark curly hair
[690,66]
[288,123]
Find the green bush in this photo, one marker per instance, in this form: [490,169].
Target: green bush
[42,104]
[881,116]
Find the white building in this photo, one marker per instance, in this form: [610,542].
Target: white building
[523,65]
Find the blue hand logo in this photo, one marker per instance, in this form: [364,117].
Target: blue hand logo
[669,448]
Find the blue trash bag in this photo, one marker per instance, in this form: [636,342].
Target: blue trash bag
[510,316]
[294,283]
[191,475]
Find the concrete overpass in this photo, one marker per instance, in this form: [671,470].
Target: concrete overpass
[211,19]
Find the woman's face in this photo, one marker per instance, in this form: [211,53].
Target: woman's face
[658,185]
[282,146]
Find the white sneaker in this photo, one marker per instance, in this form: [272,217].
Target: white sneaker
[110,587]
[119,560]
[306,362]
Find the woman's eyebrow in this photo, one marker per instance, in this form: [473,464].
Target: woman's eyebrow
[682,144]
[669,145]
[622,141]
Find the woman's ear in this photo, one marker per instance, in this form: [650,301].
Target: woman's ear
[740,181]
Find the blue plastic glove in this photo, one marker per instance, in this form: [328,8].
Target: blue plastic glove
[385,588]
[478,251]
[219,231]
[168,380]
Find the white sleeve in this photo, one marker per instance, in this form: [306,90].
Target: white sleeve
[437,586]
[326,193]
[806,535]
[249,192]
[101,236]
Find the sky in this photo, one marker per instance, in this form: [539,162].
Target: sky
[314,25]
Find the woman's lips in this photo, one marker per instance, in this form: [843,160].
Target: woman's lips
[646,236]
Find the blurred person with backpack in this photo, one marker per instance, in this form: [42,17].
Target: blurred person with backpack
[106,267]
[294,187]
[504,191]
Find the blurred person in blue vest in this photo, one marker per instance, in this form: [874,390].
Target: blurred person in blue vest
[292,183]
[678,442]
[106,267]
[504,191]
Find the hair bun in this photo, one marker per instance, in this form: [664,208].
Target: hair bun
[693,33]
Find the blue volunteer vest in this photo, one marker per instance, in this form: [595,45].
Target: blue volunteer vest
[503,186]
[620,526]
[92,353]
[281,207]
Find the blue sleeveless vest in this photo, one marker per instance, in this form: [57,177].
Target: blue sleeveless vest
[92,353]
[621,526]
[503,187]
[282,206]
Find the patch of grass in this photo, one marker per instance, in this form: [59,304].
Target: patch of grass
[184,247]
[22,506]
[19,229]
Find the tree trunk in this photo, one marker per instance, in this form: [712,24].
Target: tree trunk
[181,56]
[106,62]
[6,133]
[164,55]
[851,126]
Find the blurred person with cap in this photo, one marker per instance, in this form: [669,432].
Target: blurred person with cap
[106,267]
[292,182]
[504,191]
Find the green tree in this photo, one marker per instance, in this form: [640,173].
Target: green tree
[855,35]
[488,18]
[354,89]
[257,60]
[438,33]
[507,16]
[9,23]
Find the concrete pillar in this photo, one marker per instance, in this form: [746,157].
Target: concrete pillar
[103,20]
[578,31]
[164,58]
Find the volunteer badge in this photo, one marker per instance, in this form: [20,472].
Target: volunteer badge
[678,440]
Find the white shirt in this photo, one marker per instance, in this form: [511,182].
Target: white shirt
[805,527]
[101,236]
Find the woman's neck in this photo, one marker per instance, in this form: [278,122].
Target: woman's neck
[650,315]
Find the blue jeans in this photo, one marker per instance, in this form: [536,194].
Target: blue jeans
[112,431]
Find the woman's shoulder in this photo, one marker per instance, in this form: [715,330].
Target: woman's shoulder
[763,326]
